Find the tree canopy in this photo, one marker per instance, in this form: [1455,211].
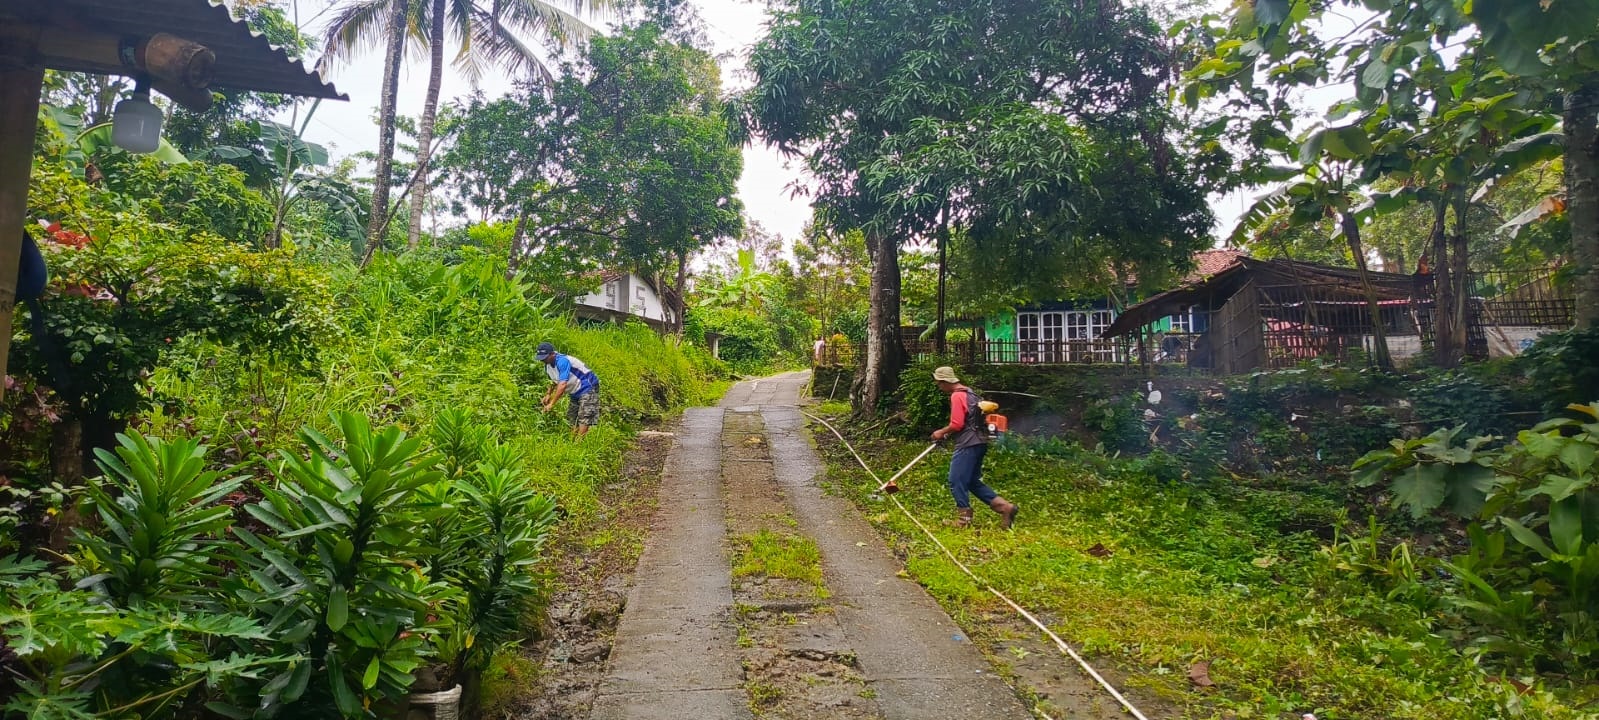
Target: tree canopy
[1451,101]
[624,160]
[1036,131]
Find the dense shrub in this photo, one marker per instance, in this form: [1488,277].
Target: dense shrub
[337,476]
[1527,590]
[366,558]
[329,518]
[749,344]
[1561,368]
[212,196]
[926,407]
[1118,422]
[1457,397]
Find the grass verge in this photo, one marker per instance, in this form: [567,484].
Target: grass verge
[1162,577]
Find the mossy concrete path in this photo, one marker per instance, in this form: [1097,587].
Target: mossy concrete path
[727,617]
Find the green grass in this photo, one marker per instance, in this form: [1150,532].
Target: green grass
[833,408]
[762,695]
[506,681]
[765,553]
[417,338]
[1192,576]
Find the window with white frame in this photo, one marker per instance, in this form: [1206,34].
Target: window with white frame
[1054,336]
[1027,326]
[1185,321]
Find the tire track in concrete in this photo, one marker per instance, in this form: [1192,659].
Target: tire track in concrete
[918,662]
[675,654]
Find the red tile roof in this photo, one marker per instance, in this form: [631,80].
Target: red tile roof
[1209,262]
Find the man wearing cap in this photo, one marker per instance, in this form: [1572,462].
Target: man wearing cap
[575,380]
[971,444]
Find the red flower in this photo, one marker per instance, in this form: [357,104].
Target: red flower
[65,237]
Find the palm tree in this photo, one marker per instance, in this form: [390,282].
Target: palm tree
[492,35]
[357,25]
[487,38]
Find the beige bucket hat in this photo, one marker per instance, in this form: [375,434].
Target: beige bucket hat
[945,374]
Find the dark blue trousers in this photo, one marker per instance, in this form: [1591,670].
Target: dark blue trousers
[966,477]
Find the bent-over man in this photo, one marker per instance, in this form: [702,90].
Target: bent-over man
[576,381]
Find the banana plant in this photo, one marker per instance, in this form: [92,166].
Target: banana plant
[744,287]
[83,144]
[292,170]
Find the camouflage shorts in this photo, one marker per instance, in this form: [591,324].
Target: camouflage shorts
[584,410]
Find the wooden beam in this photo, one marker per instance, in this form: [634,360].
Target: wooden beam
[179,69]
[21,82]
[164,56]
[197,100]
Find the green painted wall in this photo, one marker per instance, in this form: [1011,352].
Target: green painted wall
[1000,327]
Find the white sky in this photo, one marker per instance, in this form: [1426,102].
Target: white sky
[732,26]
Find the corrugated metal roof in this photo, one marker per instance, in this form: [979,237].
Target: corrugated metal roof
[245,60]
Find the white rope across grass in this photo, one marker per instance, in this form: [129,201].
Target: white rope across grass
[1064,647]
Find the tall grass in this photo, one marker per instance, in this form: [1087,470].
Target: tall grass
[417,338]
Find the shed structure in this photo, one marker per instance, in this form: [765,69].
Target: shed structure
[1276,313]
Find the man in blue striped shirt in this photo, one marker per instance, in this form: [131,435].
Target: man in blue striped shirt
[575,380]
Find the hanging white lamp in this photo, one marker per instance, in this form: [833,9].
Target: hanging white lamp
[136,124]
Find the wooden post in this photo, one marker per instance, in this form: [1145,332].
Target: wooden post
[21,81]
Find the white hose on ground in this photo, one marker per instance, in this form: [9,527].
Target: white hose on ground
[1064,647]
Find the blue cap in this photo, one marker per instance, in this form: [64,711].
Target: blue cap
[545,350]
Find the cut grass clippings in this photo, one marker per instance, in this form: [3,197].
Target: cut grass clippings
[1184,576]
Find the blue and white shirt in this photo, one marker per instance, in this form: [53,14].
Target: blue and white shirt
[566,367]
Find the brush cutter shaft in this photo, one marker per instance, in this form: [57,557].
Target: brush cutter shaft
[912,464]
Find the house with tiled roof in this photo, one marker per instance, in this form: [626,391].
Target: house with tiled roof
[1068,330]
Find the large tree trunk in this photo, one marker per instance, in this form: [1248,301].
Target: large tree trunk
[1379,335]
[1582,199]
[884,354]
[1445,352]
[72,459]
[103,99]
[66,468]
[940,334]
[393,58]
[424,135]
[518,232]
[1460,276]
